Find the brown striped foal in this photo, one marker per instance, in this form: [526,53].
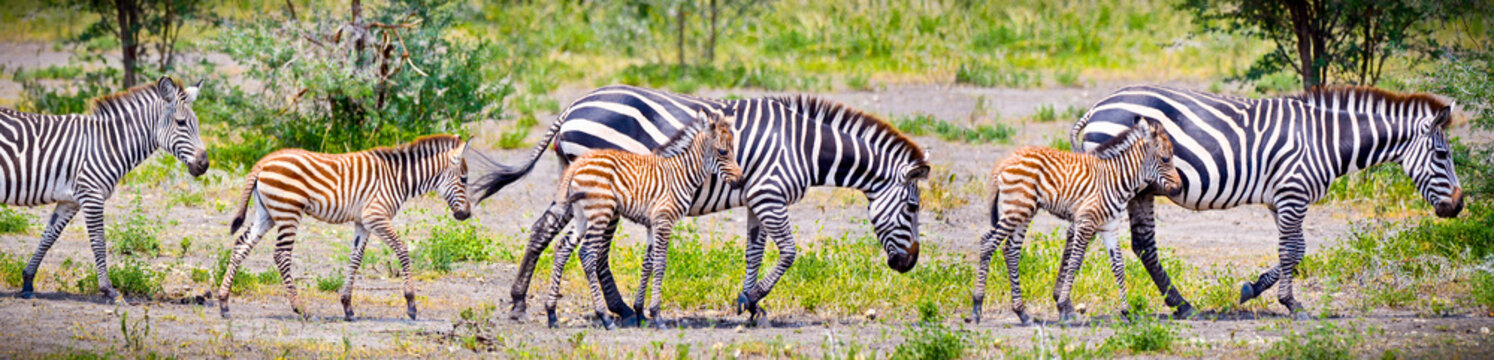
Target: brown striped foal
[650,189]
[1089,189]
[366,188]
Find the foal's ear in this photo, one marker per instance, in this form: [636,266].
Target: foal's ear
[167,89]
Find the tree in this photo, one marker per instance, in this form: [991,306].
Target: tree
[141,26]
[1326,41]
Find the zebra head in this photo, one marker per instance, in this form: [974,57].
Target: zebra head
[722,155]
[176,131]
[452,185]
[894,214]
[1428,161]
[1160,173]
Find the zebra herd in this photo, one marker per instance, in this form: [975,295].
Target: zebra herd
[653,157]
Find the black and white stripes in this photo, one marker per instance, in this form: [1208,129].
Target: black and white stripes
[1282,152]
[785,146]
[76,160]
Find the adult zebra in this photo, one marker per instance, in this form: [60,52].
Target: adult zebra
[785,145]
[76,160]
[1282,152]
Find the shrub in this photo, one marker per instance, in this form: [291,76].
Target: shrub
[455,241]
[331,283]
[14,222]
[930,338]
[11,269]
[924,124]
[1144,335]
[136,236]
[130,276]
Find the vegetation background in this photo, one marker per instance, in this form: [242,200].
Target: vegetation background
[348,75]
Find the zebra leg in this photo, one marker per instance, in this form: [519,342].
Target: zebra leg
[93,214]
[1291,248]
[561,255]
[285,241]
[775,222]
[540,235]
[590,256]
[1078,242]
[1144,244]
[60,217]
[754,257]
[647,269]
[1012,252]
[1110,234]
[380,225]
[658,255]
[988,244]
[241,248]
[614,299]
[355,260]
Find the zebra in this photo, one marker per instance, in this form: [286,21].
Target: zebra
[1090,189]
[76,160]
[366,188]
[1282,152]
[785,145]
[651,189]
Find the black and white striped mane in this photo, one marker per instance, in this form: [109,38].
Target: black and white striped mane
[425,145]
[849,120]
[681,141]
[1370,100]
[1119,143]
[107,103]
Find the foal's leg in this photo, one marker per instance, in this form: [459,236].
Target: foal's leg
[355,260]
[285,241]
[257,228]
[657,254]
[379,224]
[561,255]
[1110,234]
[1078,242]
[988,243]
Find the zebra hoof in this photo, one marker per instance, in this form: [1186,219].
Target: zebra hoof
[224,313]
[26,294]
[631,320]
[1247,292]
[411,311]
[1024,319]
[1067,317]
[516,313]
[553,321]
[741,302]
[607,322]
[1301,316]
[1184,312]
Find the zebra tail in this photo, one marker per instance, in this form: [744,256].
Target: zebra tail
[486,185]
[238,218]
[1076,136]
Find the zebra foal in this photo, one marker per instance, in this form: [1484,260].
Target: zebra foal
[651,189]
[76,160]
[366,188]
[1089,189]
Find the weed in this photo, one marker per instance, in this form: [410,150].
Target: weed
[11,269]
[1045,113]
[1483,291]
[1049,346]
[942,195]
[135,335]
[331,283]
[242,280]
[1145,334]
[932,341]
[184,248]
[136,236]
[924,124]
[200,276]
[13,222]
[1324,341]
[130,276]
[513,138]
[1060,143]
[455,241]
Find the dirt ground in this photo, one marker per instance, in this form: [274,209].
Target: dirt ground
[60,321]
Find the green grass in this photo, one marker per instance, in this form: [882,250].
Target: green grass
[11,269]
[924,124]
[136,235]
[930,338]
[513,138]
[14,222]
[330,283]
[243,280]
[1323,342]
[455,241]
[130,276]
[1145,334]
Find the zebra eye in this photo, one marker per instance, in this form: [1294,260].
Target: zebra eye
[913,208]
[1440,154]
[722,152]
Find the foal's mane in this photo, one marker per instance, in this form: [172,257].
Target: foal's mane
[425,145]
[681,140]
[1119,143]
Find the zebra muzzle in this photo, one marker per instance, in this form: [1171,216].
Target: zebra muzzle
[1452,206]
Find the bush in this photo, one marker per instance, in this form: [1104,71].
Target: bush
[455,241]
[136,236]
[1144,335]
[1483,291]
[11,269]
[130,276]
[331,283]
[336,96]
[14,222]
[930,338]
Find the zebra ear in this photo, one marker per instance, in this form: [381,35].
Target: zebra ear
[1439,120]
[193,90]
[918,172]
[167,89]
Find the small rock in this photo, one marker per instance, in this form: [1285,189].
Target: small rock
[740,328]
[1484,330]
[1081,308]
[108,311]
[871,314]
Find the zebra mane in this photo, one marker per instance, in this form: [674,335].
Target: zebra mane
[429,142]
[102,103]
[1370,99]
[850,120]
[1119,143]
[681,141]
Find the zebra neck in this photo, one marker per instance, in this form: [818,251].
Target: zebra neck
[417,175]
[126,134]
[1357,141]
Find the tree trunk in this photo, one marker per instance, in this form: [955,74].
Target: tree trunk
[128,16]
[711,41]
[679,45]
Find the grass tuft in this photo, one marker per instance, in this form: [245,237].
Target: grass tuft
[924,124]
[14,222]
[1325,341]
